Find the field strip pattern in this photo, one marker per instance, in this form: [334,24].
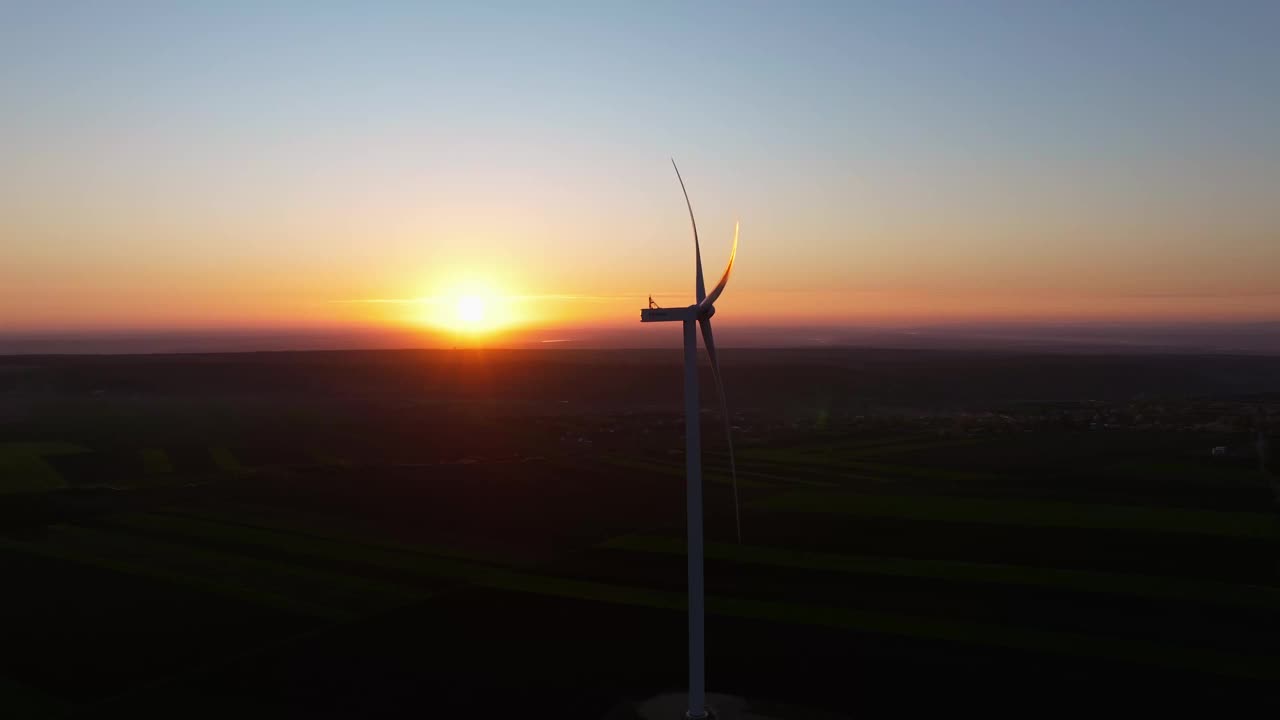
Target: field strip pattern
[903,625]
[282,574]
[717,474]
[710,474]
[1148,586]
[792,462]
[1034,513]
[281,569]
[274,584]
[24,466]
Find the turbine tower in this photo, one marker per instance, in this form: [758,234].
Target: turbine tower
[695,316]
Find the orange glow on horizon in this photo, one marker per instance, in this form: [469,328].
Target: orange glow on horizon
[466,309]
[478,295]
[470,310]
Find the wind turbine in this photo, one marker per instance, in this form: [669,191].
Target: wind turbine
[698,315]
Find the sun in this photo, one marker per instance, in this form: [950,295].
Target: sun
[470,308]
[469,311]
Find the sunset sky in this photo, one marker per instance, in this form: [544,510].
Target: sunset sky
[222,165]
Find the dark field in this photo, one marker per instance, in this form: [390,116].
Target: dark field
[500,534]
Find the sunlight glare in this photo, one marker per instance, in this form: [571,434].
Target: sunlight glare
[470,311]
[470,307]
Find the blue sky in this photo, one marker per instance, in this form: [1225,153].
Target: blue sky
[877,153]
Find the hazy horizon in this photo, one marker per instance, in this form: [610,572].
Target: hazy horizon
[1100,337]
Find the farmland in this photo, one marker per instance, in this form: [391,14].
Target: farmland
[371,534]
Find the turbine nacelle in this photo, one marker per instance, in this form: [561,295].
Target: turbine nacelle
[693,312]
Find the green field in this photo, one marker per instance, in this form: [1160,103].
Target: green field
[322,544]
[1264,526]
[24,468]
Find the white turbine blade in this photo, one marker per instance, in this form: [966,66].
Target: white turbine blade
[724,279]
[700,289]
[709,339]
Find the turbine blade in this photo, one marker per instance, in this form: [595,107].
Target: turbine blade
[724,279]
[700,289]
[710,342]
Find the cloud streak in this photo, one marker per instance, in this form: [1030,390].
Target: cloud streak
[432,300]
